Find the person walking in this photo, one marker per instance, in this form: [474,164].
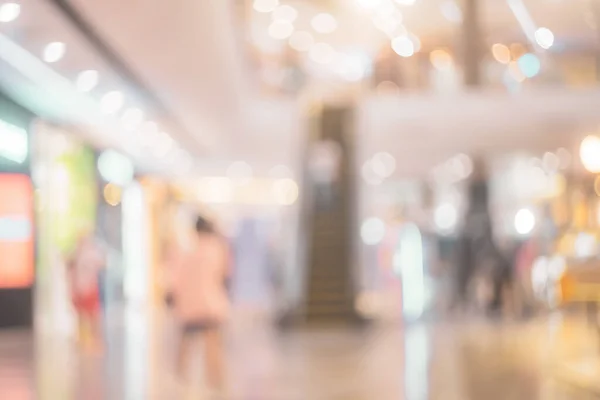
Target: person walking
[200,300]
[84,270]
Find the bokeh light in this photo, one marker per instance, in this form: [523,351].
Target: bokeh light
[54,51]
[524,221]
[372,231]
[403,46]
[301,41]
[589,152]
[501,53]
[9,12]
[87,80]
[446,218]
[324,23]
[112,102]
[530,65]
[544,38]
[440,59]
[265,6]
[281,30]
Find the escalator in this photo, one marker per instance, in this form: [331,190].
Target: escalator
[330,293]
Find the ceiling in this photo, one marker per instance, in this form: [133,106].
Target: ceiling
[190,55]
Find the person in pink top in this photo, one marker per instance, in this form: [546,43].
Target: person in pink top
[200,298]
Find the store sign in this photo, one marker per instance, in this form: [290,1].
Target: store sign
[14,145]
[16,231]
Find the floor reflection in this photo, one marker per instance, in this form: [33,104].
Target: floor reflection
[445,361]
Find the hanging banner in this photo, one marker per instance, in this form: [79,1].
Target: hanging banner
[17,265]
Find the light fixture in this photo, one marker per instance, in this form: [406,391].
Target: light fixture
[544,38]
[285,13]
[324,23]
[301,41]
[281,29]
[132,118]
[589,152]
[54,51]
[87,80]
[9,12]
[524,221]
[501,53]
[112,102]
[322,53]
[265,6]
[403,46]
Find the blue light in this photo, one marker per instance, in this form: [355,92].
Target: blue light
[530,65]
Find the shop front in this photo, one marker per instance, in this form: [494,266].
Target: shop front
[66,201]
[17,237]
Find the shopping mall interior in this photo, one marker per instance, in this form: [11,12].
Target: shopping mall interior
[300,199]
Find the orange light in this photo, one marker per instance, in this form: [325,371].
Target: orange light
[501,53]
[112,194]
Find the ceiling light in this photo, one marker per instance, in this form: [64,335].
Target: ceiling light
[403,46]
[281,29]
[265,6]
[285,13]
[87,80]
[301,41]
[544,38]
[501,53]
[132,118]
[112,102]
[322,53]
[324,23]
[9,12]
[54,51]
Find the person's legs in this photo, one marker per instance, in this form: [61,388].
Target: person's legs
[213,343]
[184,347]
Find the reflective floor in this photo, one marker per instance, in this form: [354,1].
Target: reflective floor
[545,359]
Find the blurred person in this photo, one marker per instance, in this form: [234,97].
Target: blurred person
[199,285]
[325,157]
[85,268]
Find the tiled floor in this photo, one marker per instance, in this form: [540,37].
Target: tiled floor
[446,361]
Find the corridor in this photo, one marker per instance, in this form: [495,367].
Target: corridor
[467,360]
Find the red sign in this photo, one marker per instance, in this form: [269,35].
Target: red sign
[17,264]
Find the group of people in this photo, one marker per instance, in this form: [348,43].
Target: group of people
[197,293]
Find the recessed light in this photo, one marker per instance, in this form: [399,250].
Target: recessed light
[87,80]
[112,102]
[9,12]
[54,51]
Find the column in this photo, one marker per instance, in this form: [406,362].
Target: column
[471,43]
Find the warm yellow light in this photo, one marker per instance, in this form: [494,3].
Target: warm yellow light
[285,191]
[112,194]
[501,53]
[440,59]
[589,152]
[517,50]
